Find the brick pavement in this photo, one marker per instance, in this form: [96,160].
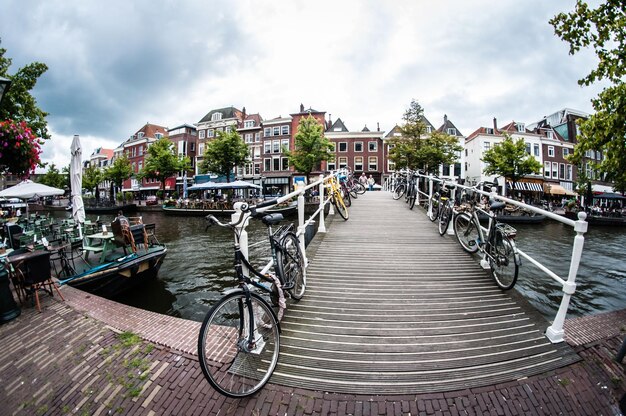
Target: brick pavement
[71,360]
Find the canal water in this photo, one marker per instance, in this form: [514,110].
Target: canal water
[199,267]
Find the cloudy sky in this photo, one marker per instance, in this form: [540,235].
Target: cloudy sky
[115,65]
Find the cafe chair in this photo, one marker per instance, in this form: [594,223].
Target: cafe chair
[16,272]
[37,277]
[122,236]
[13,233]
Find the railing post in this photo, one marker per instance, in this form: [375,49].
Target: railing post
[241,230]
[322,227]
[301,228]
[555,332]
[430,196]
[417,195]
[450,230]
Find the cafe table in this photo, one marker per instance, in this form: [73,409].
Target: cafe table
[98,242]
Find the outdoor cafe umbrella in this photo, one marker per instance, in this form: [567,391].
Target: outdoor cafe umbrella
[76,182]
[28,189]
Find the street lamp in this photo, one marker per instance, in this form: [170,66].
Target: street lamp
[4,87]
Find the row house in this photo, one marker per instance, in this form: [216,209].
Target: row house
[185,138]
[362,151]
[276,174]
[222,119]
[101,158]
[135,149]
[250,131]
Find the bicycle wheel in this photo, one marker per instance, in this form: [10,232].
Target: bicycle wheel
[340,206]
[466,231]
[504,269]
[291,265]
[359,187]
[399,191]
[233,366]
[444,218]
[353,193]
[412,198]
[434,212]
[346,198]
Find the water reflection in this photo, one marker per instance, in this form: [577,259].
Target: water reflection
[198,267]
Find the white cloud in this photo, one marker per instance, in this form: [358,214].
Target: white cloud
[116,65]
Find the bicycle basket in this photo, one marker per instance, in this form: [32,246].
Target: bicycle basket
[507,230]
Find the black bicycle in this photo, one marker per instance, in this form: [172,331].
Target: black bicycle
[239,339]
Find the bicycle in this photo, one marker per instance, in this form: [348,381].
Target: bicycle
[239,340]
[497,245]
[400,184]
[411,190]
[445,207]
[334,191]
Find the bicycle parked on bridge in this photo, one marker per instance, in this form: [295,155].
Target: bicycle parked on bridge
[239,339]
[336,196]
[496,243]
[445,207]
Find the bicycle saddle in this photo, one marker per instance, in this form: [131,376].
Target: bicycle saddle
[272,219]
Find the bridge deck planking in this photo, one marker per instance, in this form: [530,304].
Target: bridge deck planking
[393,308]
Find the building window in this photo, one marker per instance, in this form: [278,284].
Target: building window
[528,148]
[285,163]
[446,170]
[330,165]
[248,123]
[285,130]
[561,170]
[521,127]
[546,169]
[211,133]
[216,116]
[267,132]
[358,163]
[284,144]
[549,134]
[391,166]
[555,170]
[429,129]
[550,151]
[457,170]
[192,147]
[536,149]
[276,131]
[486,146]
[257,168]
[201,149]
[565,152]
[358,146]
[372,146]
[257,152]
[372,163]
[267,164]
[201,135]
[452,132]
[227,129]
[343,147]
[276,163]
[343,162]
[488,130]
[276,146]
[568,173]
[267,147]
[257,137]
[248,137]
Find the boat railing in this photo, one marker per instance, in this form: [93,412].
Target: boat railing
[555,332]
[299,196]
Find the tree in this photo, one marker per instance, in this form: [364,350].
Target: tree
[510,160]
[604,30]
[92,176]
[162,162]
[417,150]
[224,153]
[118,172]
[53,177]
[310,146]
[18,104]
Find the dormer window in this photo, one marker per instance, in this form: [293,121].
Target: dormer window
[248,123]
[158,136]
[489,130]
[429,129]
[452,132]
[521,127]
[549,134]
[140,135]
[216,116]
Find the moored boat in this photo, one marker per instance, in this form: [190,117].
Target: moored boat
[286,209]
[128,257]
[601,220]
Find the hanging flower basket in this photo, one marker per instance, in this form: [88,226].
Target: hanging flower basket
[19,148]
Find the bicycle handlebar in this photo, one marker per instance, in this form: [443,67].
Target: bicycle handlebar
[243,207]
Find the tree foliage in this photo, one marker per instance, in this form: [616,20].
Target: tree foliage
[161,162]
[416,149]
[53,177]
[604,30]
[119,171]
[311,148]
[510,160]
[18,104]
[92,177]
[224,153]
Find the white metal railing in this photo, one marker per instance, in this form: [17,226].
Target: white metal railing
[555,332]
[302,223]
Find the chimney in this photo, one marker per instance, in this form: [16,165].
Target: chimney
[244,112]
[330,120]
[445,119]
[301,108]
[495,125]
[377,126]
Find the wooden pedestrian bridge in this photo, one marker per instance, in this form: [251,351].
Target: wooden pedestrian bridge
[393,308]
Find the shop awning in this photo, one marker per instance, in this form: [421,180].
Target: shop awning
[556,189]
[601,188]
[526,186]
